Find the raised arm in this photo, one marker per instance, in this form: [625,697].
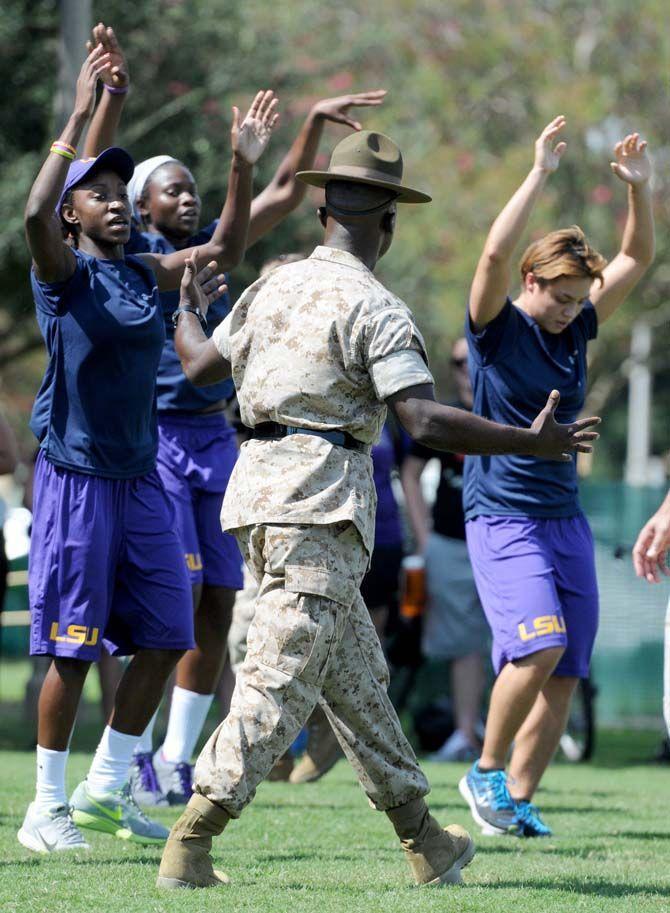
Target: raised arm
[491,283]
[459,431]
[417,510]
[285,192]
[201,361]
[116,79]
[52,258]
[633,167]
[228,243]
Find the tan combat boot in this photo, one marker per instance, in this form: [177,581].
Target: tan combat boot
[186,862]
[435,855]
[323,750]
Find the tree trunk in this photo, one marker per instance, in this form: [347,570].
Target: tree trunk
[75,30]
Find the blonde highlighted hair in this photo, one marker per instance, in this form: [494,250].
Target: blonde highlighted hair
[562,253]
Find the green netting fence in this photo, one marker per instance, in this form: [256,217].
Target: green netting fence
[628,660]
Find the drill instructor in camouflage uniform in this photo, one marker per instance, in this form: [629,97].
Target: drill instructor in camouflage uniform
[318,349]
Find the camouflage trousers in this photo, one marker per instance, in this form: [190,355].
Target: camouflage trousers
[310,640]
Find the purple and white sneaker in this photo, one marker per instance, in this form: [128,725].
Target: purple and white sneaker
[144,785]
[175,779]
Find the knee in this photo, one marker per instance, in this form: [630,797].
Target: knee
[70,670]
[216,607]
[543,662]
[161,661]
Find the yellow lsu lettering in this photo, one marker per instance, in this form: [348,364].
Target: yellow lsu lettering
[75,634]
[542,625]
[193,561]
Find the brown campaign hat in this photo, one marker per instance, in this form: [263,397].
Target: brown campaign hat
[366,158]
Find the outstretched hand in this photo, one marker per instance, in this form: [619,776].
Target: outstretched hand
[200,287]
[649,552]
[116,73]
[91,70]
[337,109]
[632,163]
[547,152]
[250,138]
[559,442]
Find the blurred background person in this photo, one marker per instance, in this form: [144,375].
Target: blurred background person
[454,627]
[9,458]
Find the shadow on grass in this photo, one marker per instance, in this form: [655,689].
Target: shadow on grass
[644,835]
[546,848]
[325,855]
[57,859]
[298,805]
[579,809]
[574,885]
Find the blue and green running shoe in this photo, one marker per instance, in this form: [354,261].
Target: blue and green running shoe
[491,805]
[530,821]
[116,813]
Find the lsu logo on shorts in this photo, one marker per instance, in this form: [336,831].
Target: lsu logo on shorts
[542,625]
[75,634]
[193,561]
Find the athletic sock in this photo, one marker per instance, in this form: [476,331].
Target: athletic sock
[146,742]
[109,770]
[188,713]
[489,770]
[50,789]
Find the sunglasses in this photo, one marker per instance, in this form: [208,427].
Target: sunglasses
[459,362]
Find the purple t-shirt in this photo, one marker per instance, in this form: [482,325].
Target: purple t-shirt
[385,458]
[174,391]
[514,365]
[95,411]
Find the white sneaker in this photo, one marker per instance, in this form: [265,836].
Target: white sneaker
[52,831]
[457,748]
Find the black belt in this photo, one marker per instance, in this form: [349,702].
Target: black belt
[274,431]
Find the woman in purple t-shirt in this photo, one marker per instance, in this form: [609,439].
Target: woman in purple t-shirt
[105,562]
[530,545]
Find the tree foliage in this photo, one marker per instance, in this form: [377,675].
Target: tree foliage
[471,83]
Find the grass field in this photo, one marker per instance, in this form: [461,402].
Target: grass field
[320,849]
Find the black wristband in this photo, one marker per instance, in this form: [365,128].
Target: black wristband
[189,310]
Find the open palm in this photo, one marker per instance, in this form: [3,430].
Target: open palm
[337,109]
[250,138]
[547,152]
[116,74]
[632,163]
[200,286]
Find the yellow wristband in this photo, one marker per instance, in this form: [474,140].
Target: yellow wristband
[59,142]
[66,155]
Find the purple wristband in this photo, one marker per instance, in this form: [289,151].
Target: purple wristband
[122,90]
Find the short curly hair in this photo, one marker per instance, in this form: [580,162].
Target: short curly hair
[562,253]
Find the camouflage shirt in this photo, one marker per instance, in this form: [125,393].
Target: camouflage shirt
[319,344]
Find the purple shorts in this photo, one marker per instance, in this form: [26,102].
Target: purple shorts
[536,580]
[105,565]
[196,456]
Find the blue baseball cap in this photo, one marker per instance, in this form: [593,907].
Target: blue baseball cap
[113,159]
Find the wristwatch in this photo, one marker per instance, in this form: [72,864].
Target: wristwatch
[190,310]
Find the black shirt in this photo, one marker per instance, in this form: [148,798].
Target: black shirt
[448,516]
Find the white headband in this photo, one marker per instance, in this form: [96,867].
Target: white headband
[141,175]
